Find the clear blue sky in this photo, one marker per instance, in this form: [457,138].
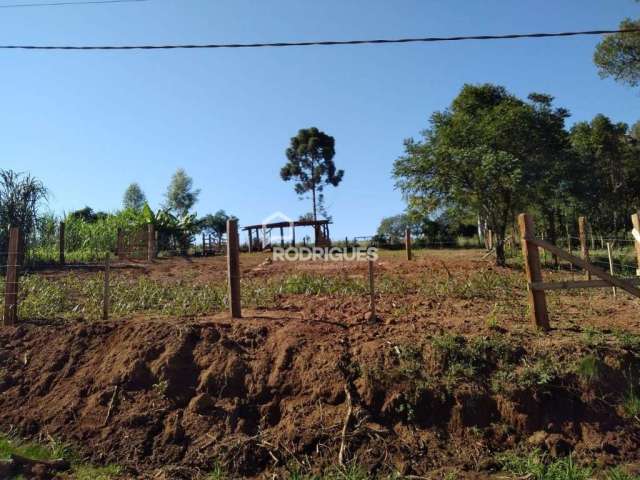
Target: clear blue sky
[90,123]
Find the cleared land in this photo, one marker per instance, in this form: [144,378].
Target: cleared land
[450,378]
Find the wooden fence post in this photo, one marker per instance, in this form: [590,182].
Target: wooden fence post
[635,220]
[105,291]
[533,271]
[407,242]
[61,244]
[372,293]
[151,242]
[584,246]
[10,316]
[611,271]
[233,268]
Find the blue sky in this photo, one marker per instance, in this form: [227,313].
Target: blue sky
[88,124]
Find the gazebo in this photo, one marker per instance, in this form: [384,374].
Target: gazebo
[320,228]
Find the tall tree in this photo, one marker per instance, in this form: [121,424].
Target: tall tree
[181,196]
[310,163]
[604,184]
[482,155]
[216,223]
[134,198]
[618,55]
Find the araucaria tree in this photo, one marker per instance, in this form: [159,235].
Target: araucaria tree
[181,196]
[310,163]
[134,198]
[618,55]
[487,154]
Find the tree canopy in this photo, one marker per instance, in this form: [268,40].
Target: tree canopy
[310,163]
[181,196]
[216,223]
[134,198]
[489,153]
[618,55]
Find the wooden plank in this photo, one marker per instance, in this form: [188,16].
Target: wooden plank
[584,247]
[613,281]
[576,284]
[233,268]
[10,316]
[533,271]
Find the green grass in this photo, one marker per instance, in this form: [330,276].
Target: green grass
[631,404]
[76,296]
[54,450]
[538,466]
[618,473]
[589,369]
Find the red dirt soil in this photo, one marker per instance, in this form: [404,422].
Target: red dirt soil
[166,397]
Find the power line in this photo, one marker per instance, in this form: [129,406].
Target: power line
[56,4]
[317,43]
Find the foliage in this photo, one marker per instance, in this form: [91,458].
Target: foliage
[215,224]
[631,404]
[484,155]
[172,228]
[618,55]
[589,369]
[602,181]
[538,466]
[310,163]
[392,229]
[181,196]
[54,450]
[134,198]
[20,196]
[87,214]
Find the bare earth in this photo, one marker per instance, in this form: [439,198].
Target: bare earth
[271,390]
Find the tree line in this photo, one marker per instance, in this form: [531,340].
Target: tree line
[491,155]
[88,232]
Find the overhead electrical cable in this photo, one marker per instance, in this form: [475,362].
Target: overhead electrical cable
[319,43]
[66,4]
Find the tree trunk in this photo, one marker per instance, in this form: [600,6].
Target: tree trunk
[501,259]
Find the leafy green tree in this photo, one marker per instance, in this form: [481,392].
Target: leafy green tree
[482,155]
[393,228]
[181,196]
[20,196]
[618,55]
[552,163]
[215,224]
[310,163]
[604,184]
[134,198]
[87,214]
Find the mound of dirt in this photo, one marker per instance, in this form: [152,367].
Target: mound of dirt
[255,395]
